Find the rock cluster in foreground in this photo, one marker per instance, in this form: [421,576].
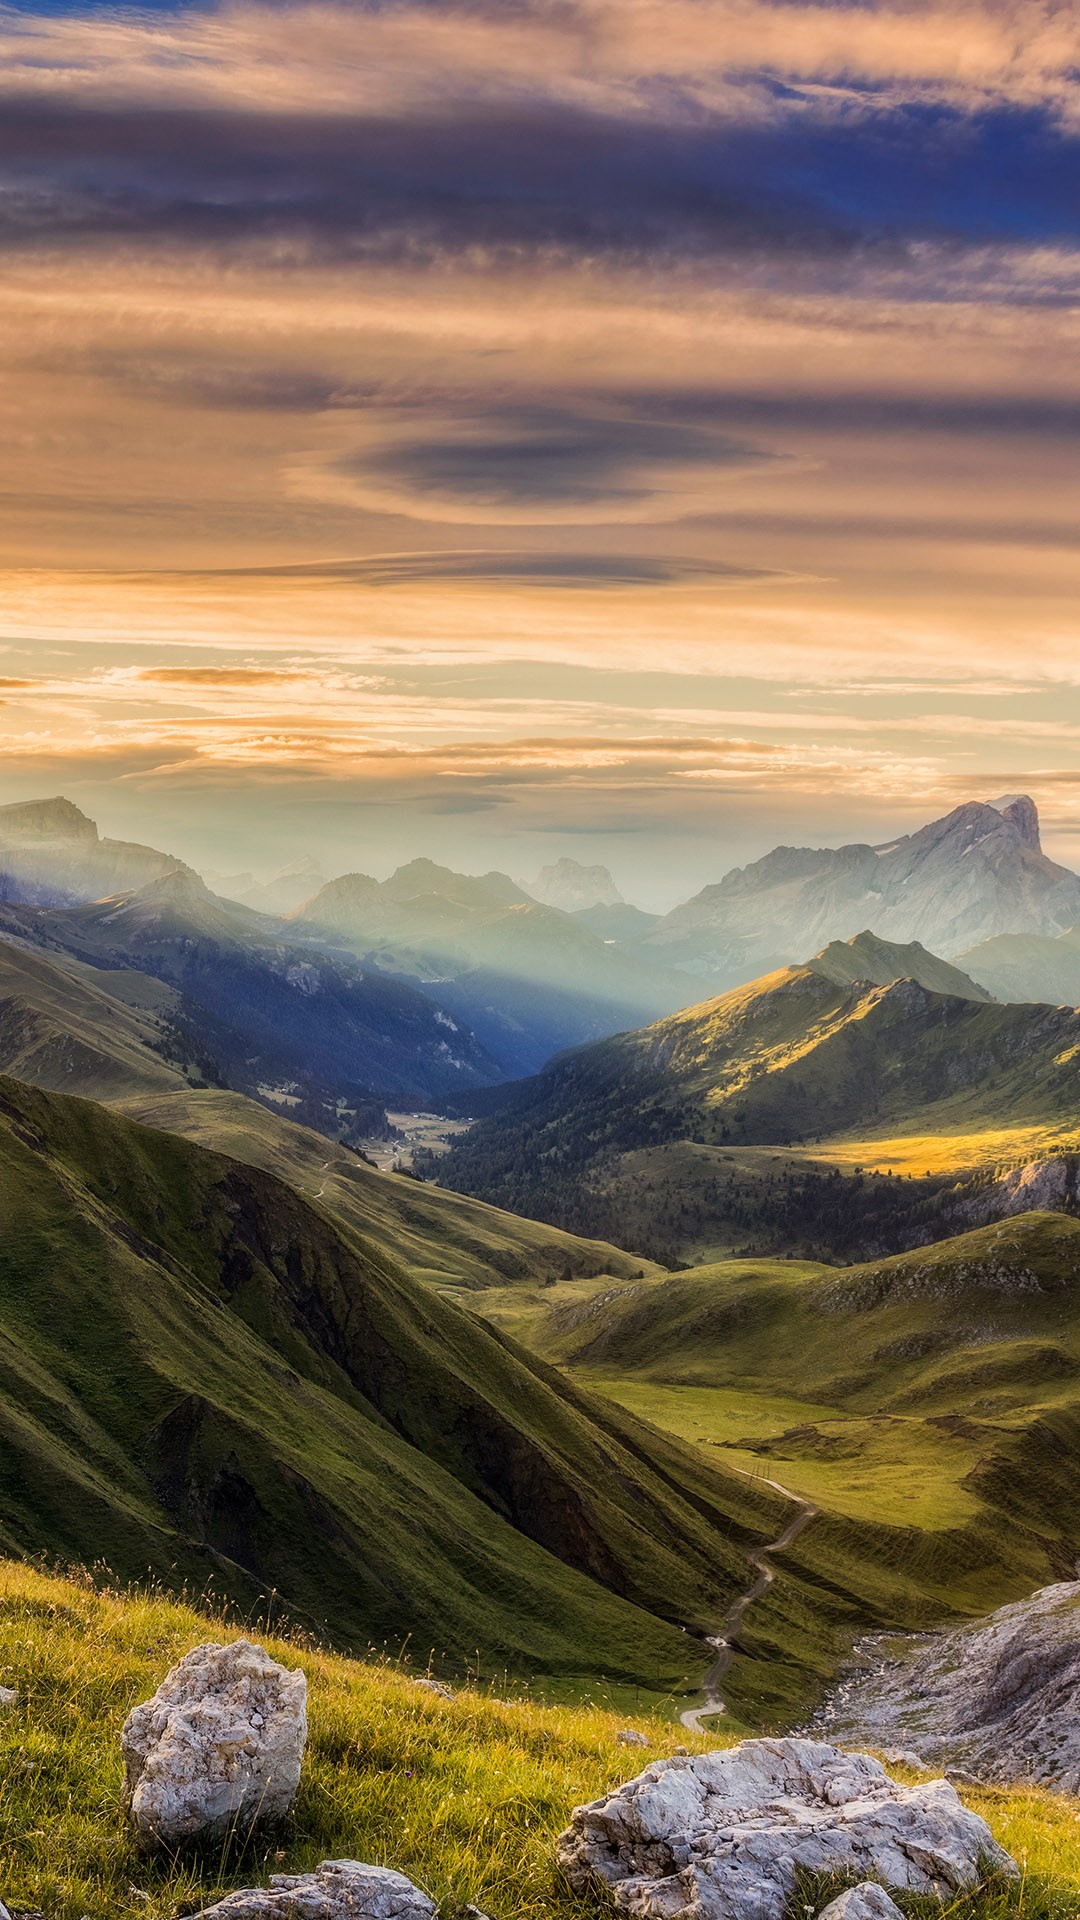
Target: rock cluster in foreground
[725,1836]
[999,1698]
[715,1836]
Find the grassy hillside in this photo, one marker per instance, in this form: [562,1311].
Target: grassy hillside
[466,1796]
[200,1371]
[799,1061]
[124,1038]
[445,1239]
[100,1033]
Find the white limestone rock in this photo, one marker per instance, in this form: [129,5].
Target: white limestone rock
[725,1836]
[867,1901]
[337,1890]
[218,1748]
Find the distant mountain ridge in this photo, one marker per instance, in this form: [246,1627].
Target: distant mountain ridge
[311,1031]
[282,893]
[977,873]
[1029,966]
[528,979]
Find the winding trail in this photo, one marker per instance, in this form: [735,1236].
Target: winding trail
[733,1619]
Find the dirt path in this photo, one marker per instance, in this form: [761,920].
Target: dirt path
[725,1651]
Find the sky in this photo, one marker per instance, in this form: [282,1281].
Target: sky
[644,430]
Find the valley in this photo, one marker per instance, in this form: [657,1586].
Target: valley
[810,1240]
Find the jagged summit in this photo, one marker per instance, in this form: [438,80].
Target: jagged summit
[977,872]
[421,877]
[574,888]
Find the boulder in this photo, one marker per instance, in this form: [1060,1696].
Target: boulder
[727,1836]
[337,1890]
[218,1747]
[867,1901]
[630,1737]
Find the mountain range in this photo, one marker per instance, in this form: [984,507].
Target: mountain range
[232,1346]
[528,979]
[271,1017]
[975,874]
[51,853]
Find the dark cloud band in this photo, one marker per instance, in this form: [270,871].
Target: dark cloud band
[867,184]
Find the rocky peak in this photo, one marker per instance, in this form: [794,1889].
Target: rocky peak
[573,887]
[49,820]
[1022,813]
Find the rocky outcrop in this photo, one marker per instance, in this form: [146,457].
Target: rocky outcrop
[998,1700]
[218,1747]
[337,1890]
[50,852]
[726,1836]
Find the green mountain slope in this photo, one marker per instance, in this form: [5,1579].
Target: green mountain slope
[124,1038]
[74,1030]
[446,1239]
[997,1309]
[201,1373]
[798,1060]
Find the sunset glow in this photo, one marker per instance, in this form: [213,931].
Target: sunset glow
[490,431]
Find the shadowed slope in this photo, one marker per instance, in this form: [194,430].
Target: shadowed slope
[201,1372]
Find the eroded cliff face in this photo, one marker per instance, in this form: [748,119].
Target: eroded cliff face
[998,1697]
[52,854]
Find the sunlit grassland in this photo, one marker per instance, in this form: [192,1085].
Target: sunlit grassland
[927,1154]
[900,1471]
[465,1796]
